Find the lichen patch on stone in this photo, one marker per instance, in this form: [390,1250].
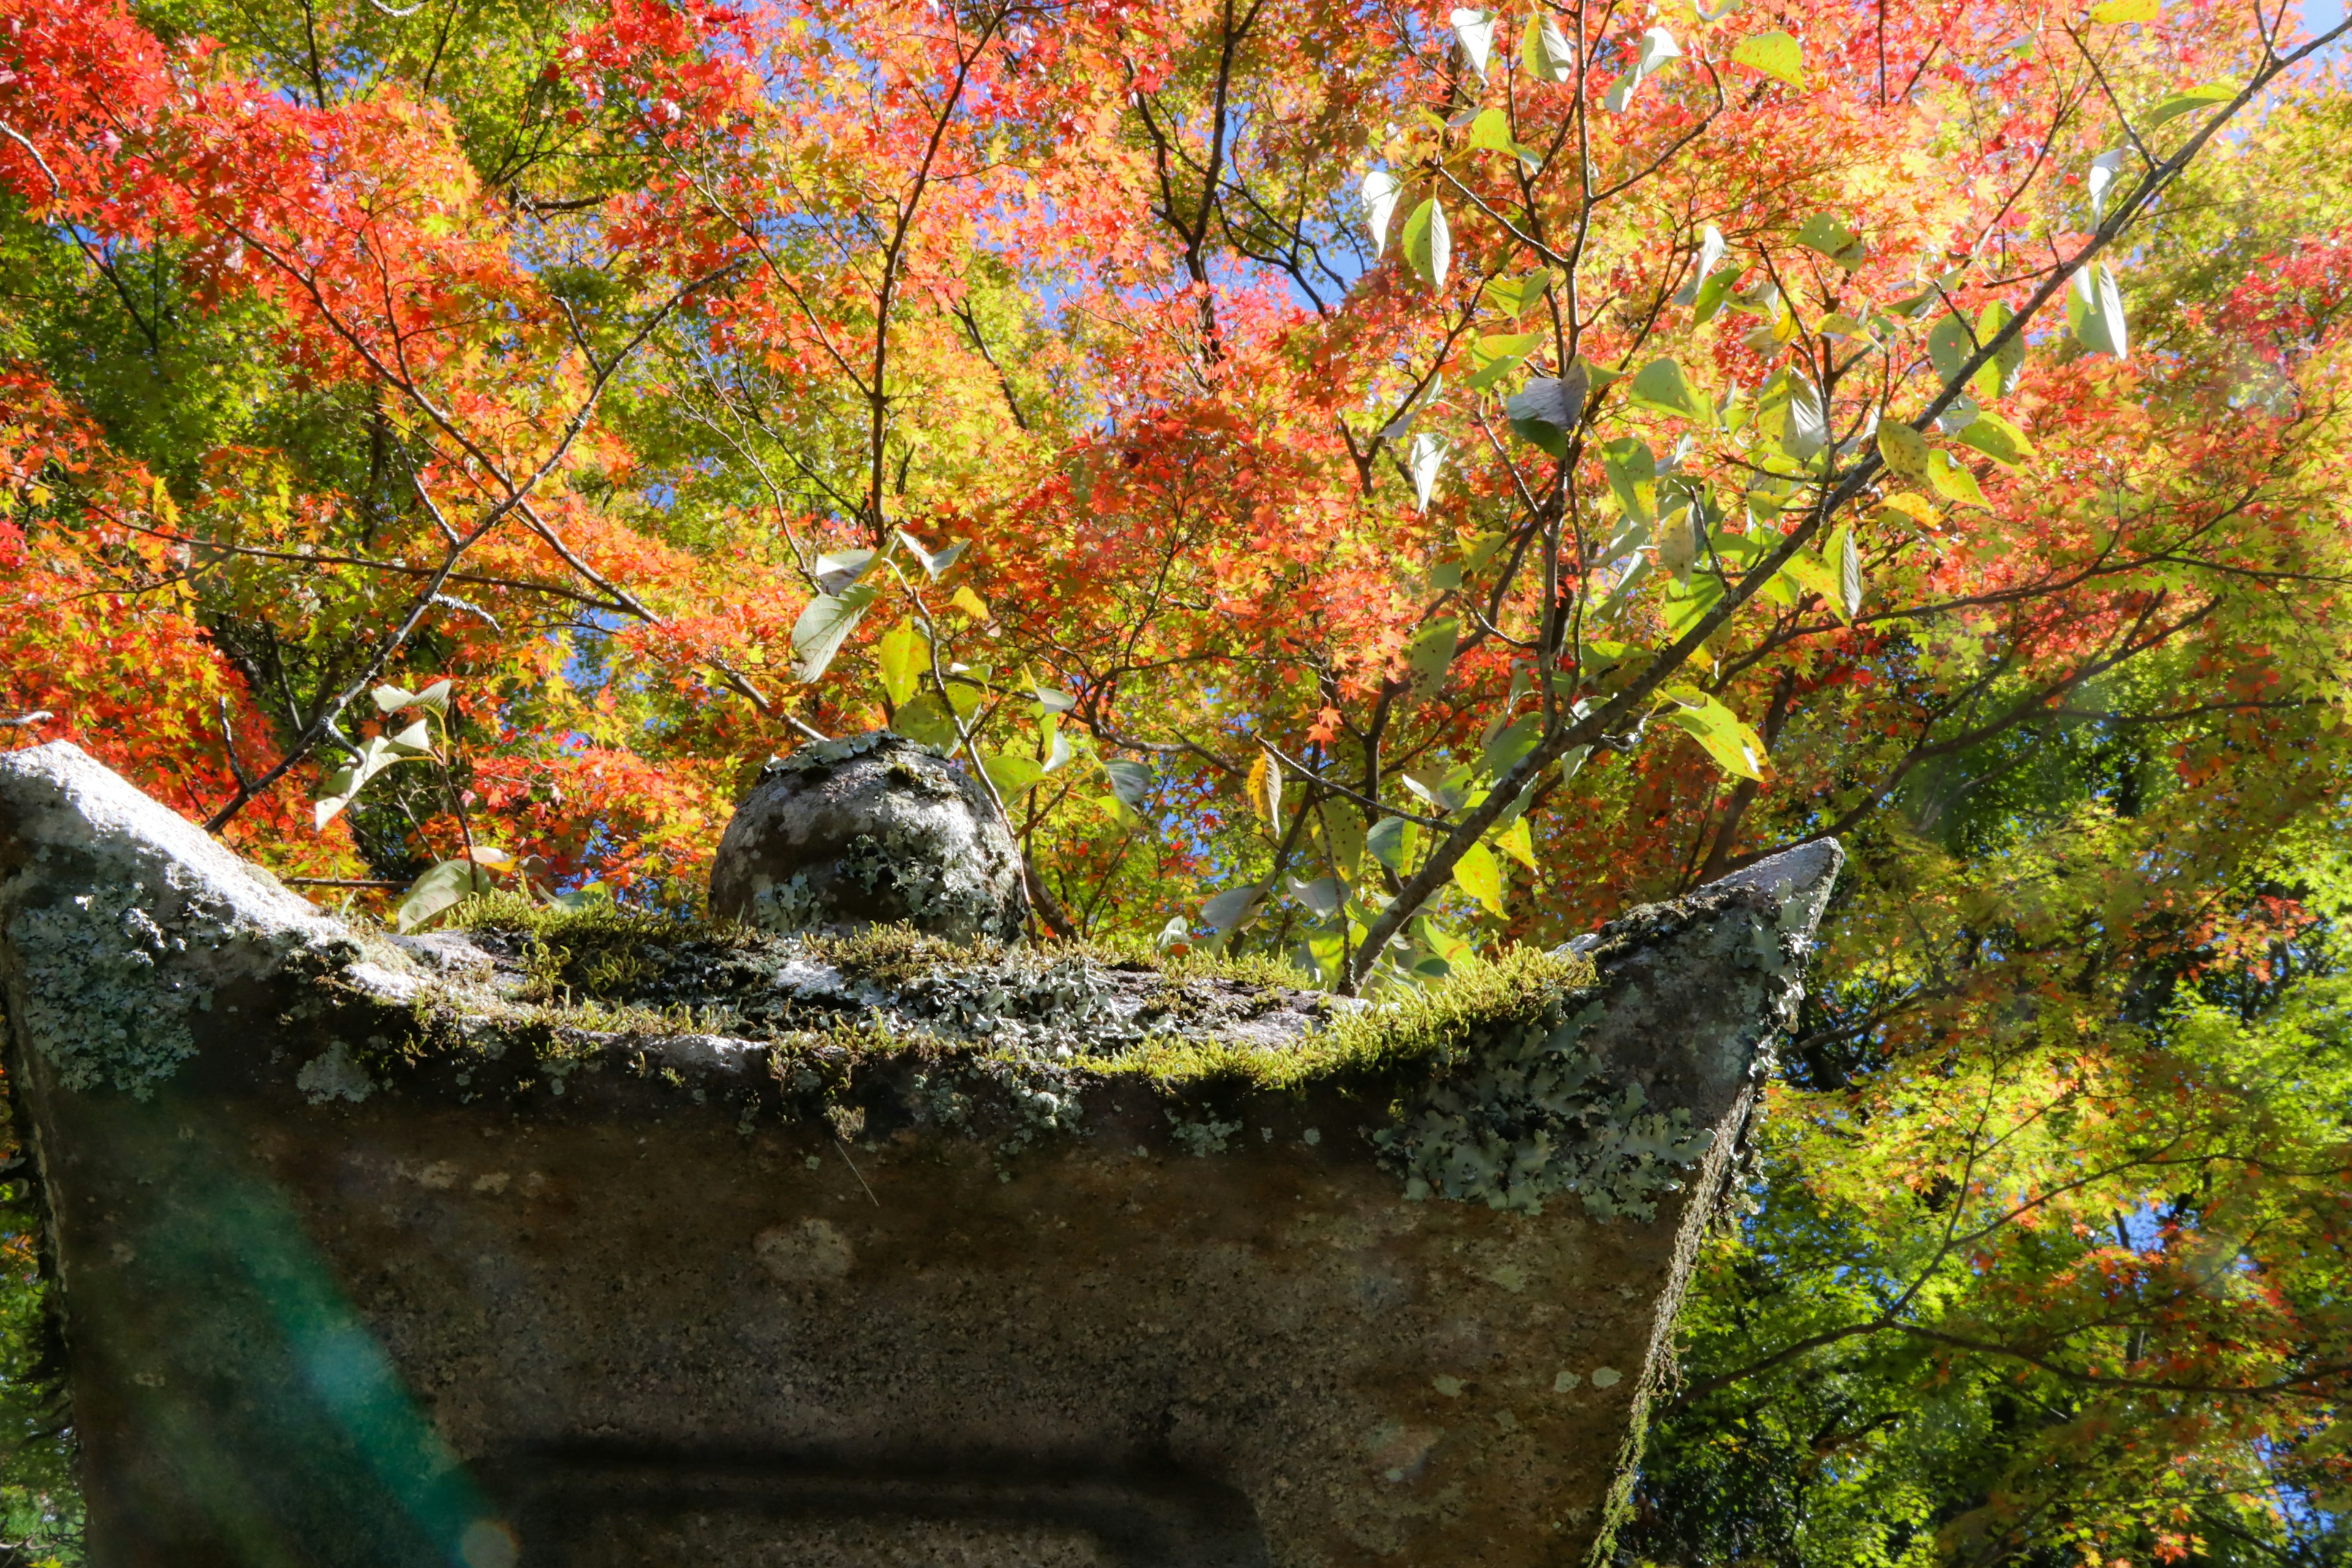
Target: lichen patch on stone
[100,999]
[334,1076]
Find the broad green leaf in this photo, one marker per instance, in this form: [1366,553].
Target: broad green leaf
[1953,480]
[1428,245]
[1742,552]
[1517,842]
[1491,132]
[1949,346]
[440,889]
[1131,781]
[1478,874]
[1231,910]
[377,753]
[1687,603]
[1776,55]
[1343,835]
[1380,194]
[1012,776]
[1453,950]
[1550,407]
[1905,451]
[1322,896]
[1319,954]
[1777,333]
[926,719]
[1266,788]
[1477,31]
[1545,50]
[1711,252]
[904,653]
[1708,302]
[2114,11]
[967,684]
[1058,745]
[1843,556]
[1808,570]
[2196,98]
[1806,423]
[1718,730]
[825,625]
[1827,233]
[1999,440]
[1051,699]
[935,563]
[1440,788]
[586,895]
[1657,48]
[1997,375]
[1515,297]
[2105,170]
[1514,740]
[2095,311]
[839,569]
[1392,842]
[1428,656]
[1426,456]
[1660,385]
[1678,541]
[1491,359]
[1632,470]
[1917,508]
[391,699]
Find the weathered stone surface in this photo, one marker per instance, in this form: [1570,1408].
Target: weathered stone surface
[874,830]
[788,1251]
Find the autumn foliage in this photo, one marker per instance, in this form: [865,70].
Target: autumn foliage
[1363,485]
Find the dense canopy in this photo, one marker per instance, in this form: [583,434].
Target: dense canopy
[1366,485]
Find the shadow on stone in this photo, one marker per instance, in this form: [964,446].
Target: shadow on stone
[601,1508]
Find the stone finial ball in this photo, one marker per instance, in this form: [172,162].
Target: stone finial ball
[872,830]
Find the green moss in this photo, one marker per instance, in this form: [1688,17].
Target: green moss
[603,953]
[892,955]
[1252,969]
[1478,999]
[1497,1100]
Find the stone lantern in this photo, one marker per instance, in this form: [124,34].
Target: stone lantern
[796,1238]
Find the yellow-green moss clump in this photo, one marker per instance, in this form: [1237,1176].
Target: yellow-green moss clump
[1118,1008]
[1057,1002]
[1477,999]
[1483,1080]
